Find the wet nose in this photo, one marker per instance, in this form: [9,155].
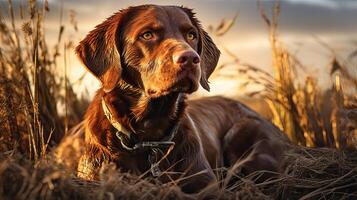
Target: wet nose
[186,58]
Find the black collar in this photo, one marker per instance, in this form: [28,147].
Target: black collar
[155,147]
[124,134]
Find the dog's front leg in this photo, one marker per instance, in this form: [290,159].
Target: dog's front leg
[195,173]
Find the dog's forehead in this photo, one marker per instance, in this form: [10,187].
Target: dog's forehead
[176,14]
[159,16]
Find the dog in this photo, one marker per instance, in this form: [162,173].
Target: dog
[148,58]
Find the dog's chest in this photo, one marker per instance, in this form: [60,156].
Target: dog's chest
[135,164]
[153,129]
[139,164]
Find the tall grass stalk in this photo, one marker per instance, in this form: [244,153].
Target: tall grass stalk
[308,115]
[32,88]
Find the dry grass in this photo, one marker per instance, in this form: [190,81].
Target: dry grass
[311,173]
[31,88]
[309,115]
[31,92]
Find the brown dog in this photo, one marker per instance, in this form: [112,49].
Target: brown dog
[147,59]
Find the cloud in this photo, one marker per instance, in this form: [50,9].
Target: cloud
[332,4]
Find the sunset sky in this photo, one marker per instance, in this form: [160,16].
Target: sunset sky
[301,22]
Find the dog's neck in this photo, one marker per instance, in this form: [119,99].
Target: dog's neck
[151,119]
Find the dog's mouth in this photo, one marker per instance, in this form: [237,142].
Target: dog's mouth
[184,85]
[183,81]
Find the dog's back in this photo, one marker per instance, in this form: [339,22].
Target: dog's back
[230,131]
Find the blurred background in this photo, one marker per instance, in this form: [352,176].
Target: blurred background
[293,61]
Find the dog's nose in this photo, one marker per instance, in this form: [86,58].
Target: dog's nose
[186,58]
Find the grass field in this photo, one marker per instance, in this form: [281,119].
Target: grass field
[321,123]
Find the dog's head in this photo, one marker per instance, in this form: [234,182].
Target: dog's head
[157,49]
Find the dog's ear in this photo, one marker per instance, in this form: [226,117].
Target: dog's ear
[99,51]
[208,51]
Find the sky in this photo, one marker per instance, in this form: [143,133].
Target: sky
[300,23]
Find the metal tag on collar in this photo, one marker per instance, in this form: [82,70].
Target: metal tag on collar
[154,159]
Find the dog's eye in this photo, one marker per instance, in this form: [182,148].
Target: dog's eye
[147,35]
[191,35]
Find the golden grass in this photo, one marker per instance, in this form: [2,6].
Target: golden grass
[31,88]
[31,91]
[311,173]
[309,115]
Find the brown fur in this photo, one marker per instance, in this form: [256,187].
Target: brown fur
[145,88]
